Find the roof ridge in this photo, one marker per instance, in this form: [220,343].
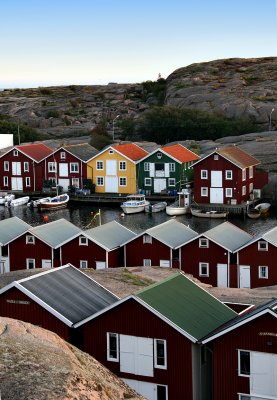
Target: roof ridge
[169,278]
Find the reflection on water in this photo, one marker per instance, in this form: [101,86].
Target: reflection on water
[82,217]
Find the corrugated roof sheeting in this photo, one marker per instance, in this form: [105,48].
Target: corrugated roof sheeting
[238,156]
[271,236]
[172,233]
[11,228]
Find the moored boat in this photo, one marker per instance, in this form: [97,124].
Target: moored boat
[134,203]
[156,207]
[253,213]
[54,203]
[263,208]
[181,205]
[208,214]
[17,202]
[34,203]
[6,197]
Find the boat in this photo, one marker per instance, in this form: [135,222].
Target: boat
[17,202]
[134,203]
[34,203]
[6,197]
[181,205]
[253,213]
[263,208]
[156,207]
[54,203]
[208,214]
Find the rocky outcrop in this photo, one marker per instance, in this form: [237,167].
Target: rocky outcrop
[37,364]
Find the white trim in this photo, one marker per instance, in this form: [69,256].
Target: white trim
[239,363]
[118,152]
[116,359]
[266,270]
[156,365]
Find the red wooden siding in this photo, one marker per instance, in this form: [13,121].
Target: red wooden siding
[137,251]
[130,318]
[72,253]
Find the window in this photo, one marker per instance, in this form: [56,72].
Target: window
[171,181]
[147,181]
[251,187]
[100,165]
[203,242]
[122,181]
[83,241]
[6,166]
[250,172]
[83,264]
[147,239]
[28,181]
[146,166]
[244,190]
[52,167]
[160,353]
[63,155]
[216,157]
[204,191]
[263,272]
[6,180]
[75,182]
[229,192]
[26,166]
[262,245]
[171,167]
[122,166]
[74,167]
[110,151]
[112,347]
[162,392]
[15,153]
[243,174]
[30,263]
[204,174]
[147,262]
[203,269]
[30,239]
[159,155]
[228,174]
[100,181]
[244,363]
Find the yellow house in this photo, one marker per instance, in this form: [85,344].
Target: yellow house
[113,170]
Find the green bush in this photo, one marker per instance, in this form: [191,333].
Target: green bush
[52,114]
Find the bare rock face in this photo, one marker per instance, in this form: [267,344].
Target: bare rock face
[233,87]
[37,364]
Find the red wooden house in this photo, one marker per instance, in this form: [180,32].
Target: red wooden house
[244,356]
[211,257]
[158,246]
[257,261]
[226,176]
[21,168]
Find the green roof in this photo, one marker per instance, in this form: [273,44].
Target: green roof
[187,305]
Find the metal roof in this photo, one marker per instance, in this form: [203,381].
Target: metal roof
[187,305]
[11,228]
[69,292]
[83,151]
[172,233]
[271,236]
[228,236]
[56,233]
[110,235]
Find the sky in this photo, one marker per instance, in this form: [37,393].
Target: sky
[91,42]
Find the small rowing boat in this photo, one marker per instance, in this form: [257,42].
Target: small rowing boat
[208,214]
[54,203]
[156,207]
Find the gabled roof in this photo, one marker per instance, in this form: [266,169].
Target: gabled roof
[269,236]
[37,151]
[65,292]
[130,150]
[110,235]
[172,233]
[187,305]
[180,153]
[56,233]
[83,151]
[267,308]
[228,236]
[235,155]
[12,228]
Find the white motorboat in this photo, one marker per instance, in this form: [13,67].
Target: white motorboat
[34,203]
[54,203]
[6,197]
[134,203]
[156,207]
[180,206]
[17,202]
[263,208]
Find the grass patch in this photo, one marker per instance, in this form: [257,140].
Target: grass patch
[135,280]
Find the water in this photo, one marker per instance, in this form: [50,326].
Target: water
[81,216]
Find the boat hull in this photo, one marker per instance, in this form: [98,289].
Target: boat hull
[176,210]
[17,202]
[55,203]
[154,208]
[132,209]
[263,208]
[208,214]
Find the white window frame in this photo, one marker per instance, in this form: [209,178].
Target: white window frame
[228,192]
[156,365]
[239,363]
[98,179]
[85,241]
[251,187]
[73,168]
[146,166]
[204,174]
[216,157]
[6,166]
[83,264]
[15,153]
[147,239]
[171,182]
[122,165]
[111,151]
[30,239]
[6,180]
[100,165]
[203,243]
[63,155]
[147,262]
[27,181]
[159,155]
[243,190]
[52,166]
[147,181]
[265,269]
[171,167]
[251,172]
[28,260]
[109,358]
[243,174]
[204,192]
[25,166]
[122,181]
[228,174]
[262,245]
[201,265]
[75,182]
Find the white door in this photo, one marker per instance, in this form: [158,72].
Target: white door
[100,265]
[16,168]
[4,265]
[244,276]
[63,169]
[136,355]
[159,185]
[165,263]
[111,167]
[222,279]
[111,184]
[46,264]
[64,183]
[146,389]
[263,382]
[216,179]
[17,183]
[216,195]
